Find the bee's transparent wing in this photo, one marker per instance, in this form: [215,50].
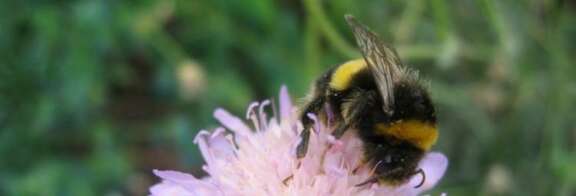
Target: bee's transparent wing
[382,60]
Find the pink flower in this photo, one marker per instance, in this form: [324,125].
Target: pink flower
[260,160]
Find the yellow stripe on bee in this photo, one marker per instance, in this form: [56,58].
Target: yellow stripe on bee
[342,76]
[419,133]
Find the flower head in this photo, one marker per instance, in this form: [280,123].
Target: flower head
[260,160]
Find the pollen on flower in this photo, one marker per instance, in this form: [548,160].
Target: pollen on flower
[259,159]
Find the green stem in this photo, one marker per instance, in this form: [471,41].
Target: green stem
[312,48]
[408,21]
[442,17]
[316,13]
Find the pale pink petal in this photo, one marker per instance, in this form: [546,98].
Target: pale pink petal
[200,139]
[220,145]
[434,165]
[169,189]
[329,115]
[285,103]
[317,124]
[175,176]
[250,110]
[263,119]
[231,122]
[178,183]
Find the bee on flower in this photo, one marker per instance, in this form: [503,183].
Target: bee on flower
[259,158]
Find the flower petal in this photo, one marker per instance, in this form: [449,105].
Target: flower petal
[167,189]
[200,140]
[178,183]
[317,124]
[263,119]
[285,103]
[231,122]
[220,146]
[250,110]
[175,176]
[434,165]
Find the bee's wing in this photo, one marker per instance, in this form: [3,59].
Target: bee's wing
[382,60]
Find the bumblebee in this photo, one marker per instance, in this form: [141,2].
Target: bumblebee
[384,101]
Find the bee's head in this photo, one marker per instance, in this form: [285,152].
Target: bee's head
[392,163]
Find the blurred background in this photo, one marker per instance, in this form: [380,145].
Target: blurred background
[95,94]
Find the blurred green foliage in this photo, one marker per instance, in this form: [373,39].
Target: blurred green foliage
[95,94]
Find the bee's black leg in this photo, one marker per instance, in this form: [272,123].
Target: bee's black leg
[361,102]
[313,107]
[302,148]
[340,130]
[420,171]
[375,178]
[370,180]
